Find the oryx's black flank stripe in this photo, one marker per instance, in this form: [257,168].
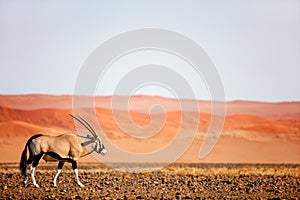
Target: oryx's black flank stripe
[57,157]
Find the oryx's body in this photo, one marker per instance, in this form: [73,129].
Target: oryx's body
[62,147]
[67,147]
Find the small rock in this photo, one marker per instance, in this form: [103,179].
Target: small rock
[227,181]
[127,176]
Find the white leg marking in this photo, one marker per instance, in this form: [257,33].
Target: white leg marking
[32,176]
[25,181]
[77,179]
[55,177]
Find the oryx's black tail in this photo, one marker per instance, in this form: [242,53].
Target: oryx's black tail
[23,162]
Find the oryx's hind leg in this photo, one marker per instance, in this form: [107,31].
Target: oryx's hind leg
[29,161]
[36,160]
[74,166]
[59,167]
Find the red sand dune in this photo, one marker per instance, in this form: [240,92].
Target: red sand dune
[253,131]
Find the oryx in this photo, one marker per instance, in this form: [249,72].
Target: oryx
[67,147]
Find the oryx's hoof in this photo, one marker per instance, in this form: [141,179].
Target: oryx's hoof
[25,181]
[80,184]
[36,185]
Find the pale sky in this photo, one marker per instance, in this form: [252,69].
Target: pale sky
[255,45]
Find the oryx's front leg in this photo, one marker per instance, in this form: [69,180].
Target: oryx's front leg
[59,167]
[74,166]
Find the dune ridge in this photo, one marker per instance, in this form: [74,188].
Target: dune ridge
[274,110]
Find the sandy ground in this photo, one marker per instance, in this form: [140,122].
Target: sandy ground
[181,181]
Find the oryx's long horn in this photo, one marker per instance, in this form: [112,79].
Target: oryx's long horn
[85,124]
[88,124]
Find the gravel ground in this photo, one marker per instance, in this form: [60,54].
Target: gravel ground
[202,181]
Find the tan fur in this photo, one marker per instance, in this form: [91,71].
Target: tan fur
[67,145]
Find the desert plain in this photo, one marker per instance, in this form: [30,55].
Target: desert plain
[256,156]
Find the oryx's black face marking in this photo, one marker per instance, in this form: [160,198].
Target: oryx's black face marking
[99,147]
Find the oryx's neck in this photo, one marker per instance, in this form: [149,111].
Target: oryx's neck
[88,148]
[86,152]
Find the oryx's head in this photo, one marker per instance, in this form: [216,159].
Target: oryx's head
[98,145]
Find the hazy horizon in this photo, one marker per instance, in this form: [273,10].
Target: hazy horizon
[147,95]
